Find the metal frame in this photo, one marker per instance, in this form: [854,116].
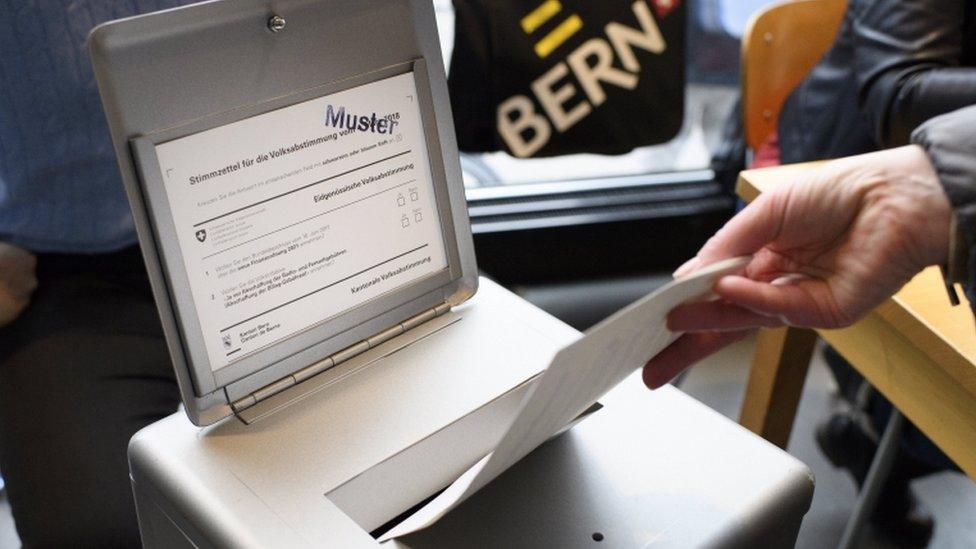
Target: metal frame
[184,70]
[589,201]
[177,279]
[884,460]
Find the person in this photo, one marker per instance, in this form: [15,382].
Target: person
[83,361]
[893,65]
[833,244]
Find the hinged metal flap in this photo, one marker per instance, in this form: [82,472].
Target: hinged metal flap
[233,68]
[349,352]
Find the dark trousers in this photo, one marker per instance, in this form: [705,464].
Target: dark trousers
[81,371]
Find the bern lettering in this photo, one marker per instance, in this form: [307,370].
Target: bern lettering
[525,131]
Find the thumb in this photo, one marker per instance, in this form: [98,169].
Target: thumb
[749,231]
[805,302]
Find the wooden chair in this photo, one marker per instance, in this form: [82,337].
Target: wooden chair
[781,44]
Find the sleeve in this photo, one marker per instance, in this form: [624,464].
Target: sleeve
[907,58]
[950,141]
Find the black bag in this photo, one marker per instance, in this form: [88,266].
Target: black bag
[552,77]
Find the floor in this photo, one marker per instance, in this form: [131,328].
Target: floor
[719,382]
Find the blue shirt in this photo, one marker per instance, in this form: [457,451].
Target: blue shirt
[60,189]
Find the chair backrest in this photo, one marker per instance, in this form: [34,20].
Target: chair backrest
[781,44]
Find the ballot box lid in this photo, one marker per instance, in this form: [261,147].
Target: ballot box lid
[294,182]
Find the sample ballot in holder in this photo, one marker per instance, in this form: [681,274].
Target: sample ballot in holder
[295,184]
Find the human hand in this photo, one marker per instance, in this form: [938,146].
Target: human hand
[17,281]
[827,248]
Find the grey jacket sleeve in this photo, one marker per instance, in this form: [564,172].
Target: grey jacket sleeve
[907,57]
[950,141]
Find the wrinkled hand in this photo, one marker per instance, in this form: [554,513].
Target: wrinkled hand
[17,281]
[827,248]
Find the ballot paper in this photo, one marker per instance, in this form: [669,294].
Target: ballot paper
[578,376]
[273,230]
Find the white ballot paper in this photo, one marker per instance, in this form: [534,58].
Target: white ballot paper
[292,217]
[578,376]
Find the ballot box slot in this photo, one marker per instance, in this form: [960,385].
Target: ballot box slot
[378,532]
[335,359]
[409,472]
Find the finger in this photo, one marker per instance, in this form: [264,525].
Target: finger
[685,351]
[719,316]
[10,308]
[687,267]
[18,270]
[23,285]
[768,265]
[746,233]
[796,302]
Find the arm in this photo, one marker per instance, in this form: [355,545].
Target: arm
[950,141]
[907,55]
[830,246]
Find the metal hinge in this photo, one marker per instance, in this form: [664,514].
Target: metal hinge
[328,362]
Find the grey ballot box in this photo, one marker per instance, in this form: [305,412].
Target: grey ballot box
[322,438]
[652,469]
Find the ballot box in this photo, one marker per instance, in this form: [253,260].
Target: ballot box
[346,377]
[654,469]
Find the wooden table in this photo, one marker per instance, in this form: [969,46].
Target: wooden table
[915,348]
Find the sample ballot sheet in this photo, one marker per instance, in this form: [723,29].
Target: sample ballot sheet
[291,217]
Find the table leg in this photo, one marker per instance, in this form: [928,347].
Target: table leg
[884,459]
[779,369]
